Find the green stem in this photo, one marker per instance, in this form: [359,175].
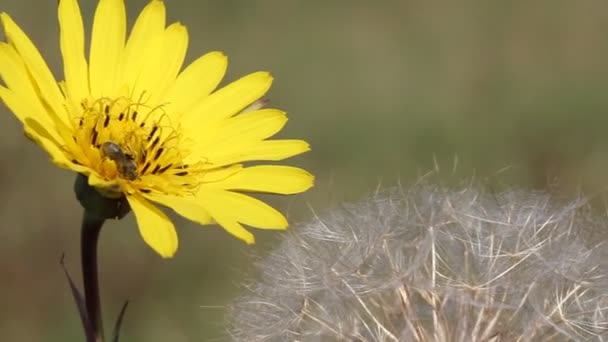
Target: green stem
[91,227]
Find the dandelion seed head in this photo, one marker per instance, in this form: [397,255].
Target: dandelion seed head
[432,264]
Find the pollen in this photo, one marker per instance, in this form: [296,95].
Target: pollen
[131,143]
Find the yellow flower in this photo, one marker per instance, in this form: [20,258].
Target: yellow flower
[139,126]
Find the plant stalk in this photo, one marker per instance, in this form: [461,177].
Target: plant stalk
[91,227]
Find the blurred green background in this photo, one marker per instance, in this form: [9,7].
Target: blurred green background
[510,93]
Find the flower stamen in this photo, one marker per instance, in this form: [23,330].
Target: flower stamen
[146,154]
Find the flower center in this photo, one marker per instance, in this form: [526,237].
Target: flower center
[131,143]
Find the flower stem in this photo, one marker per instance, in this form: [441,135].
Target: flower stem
[91,226]
[97,209]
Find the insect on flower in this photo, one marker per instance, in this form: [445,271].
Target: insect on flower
[125,164]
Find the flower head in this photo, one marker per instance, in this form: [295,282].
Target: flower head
[137,125]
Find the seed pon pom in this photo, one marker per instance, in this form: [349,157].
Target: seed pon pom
[432,264]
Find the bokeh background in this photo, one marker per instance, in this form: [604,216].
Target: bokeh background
[504,93]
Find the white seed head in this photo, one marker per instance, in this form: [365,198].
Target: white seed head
[435,265]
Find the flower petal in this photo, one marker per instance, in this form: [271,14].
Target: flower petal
[16,77]
[163,62]
[244,128]
[37,130]
[241,208]
[263,150]
[187,207]
[154,226]
[47,87]
[227,101]
[72,49]
[196,82]
[284,180]
[22,95]
[221,173]
[234,228]
[97,181]
[107,43]
[149,24]
[39,135]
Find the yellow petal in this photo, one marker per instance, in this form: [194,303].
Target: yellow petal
[40,131]
[234,228]
[163,62]
[35,131]
[97,181]
[187,207]
[16,77]
[14,72]
[196,82]
[149,25]
[154,226]
[276,149]
[107,43]
[47,87]
[249,127]
[220,174]
[284,180]
[22,95]
[227,101]
[263,150]
[241,208]
[72,49]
